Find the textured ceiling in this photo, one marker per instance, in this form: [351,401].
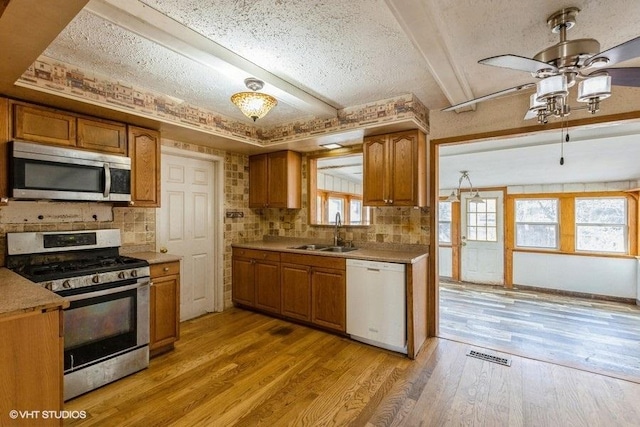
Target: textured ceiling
[347,53]
[344,53]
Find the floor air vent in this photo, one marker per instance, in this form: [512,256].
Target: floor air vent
[489,358]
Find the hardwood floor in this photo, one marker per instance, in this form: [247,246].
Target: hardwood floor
[239,368]
[597,336]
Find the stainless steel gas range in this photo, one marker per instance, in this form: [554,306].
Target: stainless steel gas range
[106,327]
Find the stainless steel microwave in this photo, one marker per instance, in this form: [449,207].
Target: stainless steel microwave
[60,173]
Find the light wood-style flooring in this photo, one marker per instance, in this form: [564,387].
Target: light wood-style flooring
[598,336]
[239,368]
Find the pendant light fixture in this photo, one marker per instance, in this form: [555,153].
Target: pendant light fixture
[455,194]
[254,105]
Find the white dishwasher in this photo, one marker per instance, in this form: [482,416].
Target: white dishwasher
[376,304]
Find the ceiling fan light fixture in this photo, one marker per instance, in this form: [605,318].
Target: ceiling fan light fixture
[534,104]
[254,105]
[594,87]
[551,87]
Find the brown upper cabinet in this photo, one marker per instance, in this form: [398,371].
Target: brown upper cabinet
[395,169]
[101,135]
[4,150]
[49,126]
[144,150]
[275,181]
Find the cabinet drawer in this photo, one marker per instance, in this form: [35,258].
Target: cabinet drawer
[256,254]
[314,260]
[165,269]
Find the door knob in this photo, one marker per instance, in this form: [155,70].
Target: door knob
[163,250]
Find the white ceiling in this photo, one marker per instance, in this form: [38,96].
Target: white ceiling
[318,56]
[598,154]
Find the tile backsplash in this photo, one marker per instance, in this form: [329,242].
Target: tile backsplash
[137,225]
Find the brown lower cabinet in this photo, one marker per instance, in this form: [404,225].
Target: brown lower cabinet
[307,288]
[31,374]
[329,298]
[296,291]
[164,307]
[256,279]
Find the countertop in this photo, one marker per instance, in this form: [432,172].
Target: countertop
[404,254]
[19,295]
[155,257]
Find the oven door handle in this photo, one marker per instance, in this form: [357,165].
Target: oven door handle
[107,180]
[140,283]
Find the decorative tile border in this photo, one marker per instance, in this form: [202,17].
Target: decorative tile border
[56,77]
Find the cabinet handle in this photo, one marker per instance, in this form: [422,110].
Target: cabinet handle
[163,250]
[386,200]
[165,269]
[131,203]
[390,201]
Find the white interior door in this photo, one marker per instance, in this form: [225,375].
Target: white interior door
[482,238]
[185,228]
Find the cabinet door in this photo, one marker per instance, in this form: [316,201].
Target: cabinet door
[258,181]
[165,314]
[267,276]
[43,125]
[284,180]
[102,136]
[374,157]
[243,285]
[329,297]
[31,374]
[144,150]
[296,291]
[402,167]
[4,149]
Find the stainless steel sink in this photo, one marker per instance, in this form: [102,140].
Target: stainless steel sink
[338,249]
[312,247]
[324,248]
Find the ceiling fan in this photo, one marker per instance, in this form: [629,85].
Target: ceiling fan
[560,66]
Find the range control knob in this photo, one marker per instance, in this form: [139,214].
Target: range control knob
[95,279]
[134,273]
[48,286]
[66,284]
[122,275]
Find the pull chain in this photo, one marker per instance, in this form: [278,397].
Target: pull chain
[563,138]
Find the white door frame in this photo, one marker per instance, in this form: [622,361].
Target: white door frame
[218,218]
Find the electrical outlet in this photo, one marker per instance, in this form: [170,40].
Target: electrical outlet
[235,214]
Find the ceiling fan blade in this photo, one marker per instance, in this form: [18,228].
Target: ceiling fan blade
[622,76]
[491,96]
[516,62]
[627,50]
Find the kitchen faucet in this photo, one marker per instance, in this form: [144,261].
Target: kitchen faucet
[336,239]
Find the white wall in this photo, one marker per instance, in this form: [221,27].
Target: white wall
[616,277]
[444,262]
